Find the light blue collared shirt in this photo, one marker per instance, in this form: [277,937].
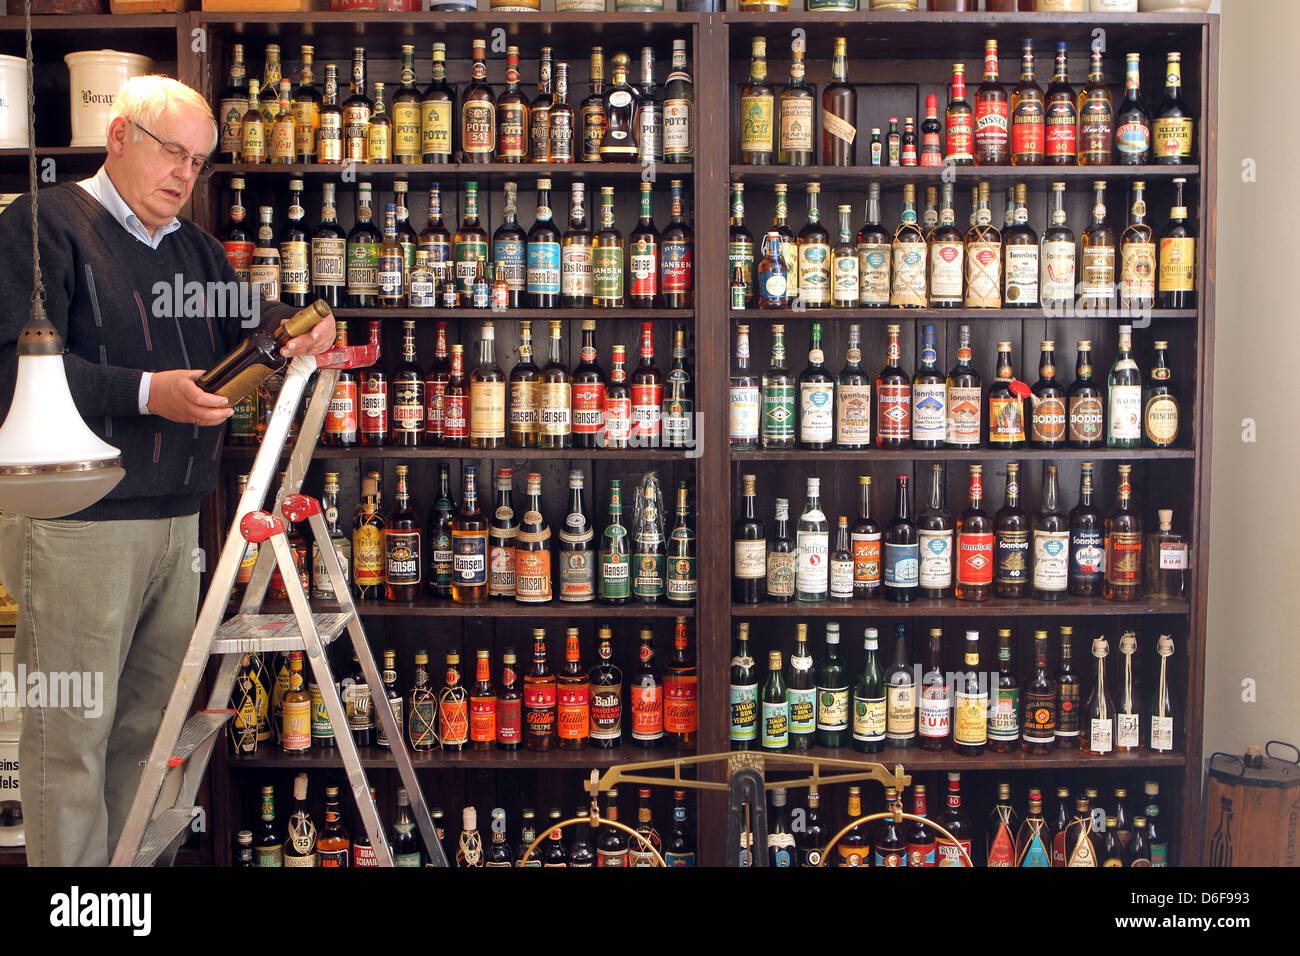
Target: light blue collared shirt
[102,188]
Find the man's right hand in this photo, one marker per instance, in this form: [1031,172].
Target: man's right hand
[175,396]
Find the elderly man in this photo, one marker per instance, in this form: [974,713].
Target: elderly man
[113,589]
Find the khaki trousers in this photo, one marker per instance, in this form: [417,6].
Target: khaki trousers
[107,604]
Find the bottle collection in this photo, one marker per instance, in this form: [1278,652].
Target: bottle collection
[926,261]
[550,406]
[272,121]
[298,842]
[471,555]
[1082,832]
[1023,126]
[820,409]
[806,704]
[393,267]
[1049,556]
[541,708]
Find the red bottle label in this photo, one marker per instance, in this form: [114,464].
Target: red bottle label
[483,719]
[434,410]
[539,707]
[1062,129]
[240,255]
[374,405]
[1002,851]
[455,415]
[681,706]
[453,720]
[618,420]
[509,721]
[573,720]
[588,407]
[645,276]
[959,141]
[894,411]
[647,712]
[341,416]
[678,267]
[647,411]
[975,558]
[1027,129]
[991,124]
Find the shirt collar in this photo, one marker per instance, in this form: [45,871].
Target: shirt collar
[102,188]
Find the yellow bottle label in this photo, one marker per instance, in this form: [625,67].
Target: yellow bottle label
[487,412]
[406,129]
[435,127]
[1177,265]
[756,123]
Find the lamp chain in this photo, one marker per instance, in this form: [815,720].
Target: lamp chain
[38,286]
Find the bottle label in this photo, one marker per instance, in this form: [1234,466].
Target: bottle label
[975,558]
[833,708]
[964,415]
[813,570]
[1162,739]
[842,579]
[509,720]
[677,129]
[866,560]
[1087,418]
[796,127]
[544,268]
[455,415]
[295,725]
[935,713]
[1021,278]
[947,260]
[756,124]
[1004,715]
[408,407]
[321,586]
[1006,419]
[1171,137]
[1100,734]
[608,269]
[778,411]
[744,711]
[483,719]
[900,720]
[677,266]
[781,573]
[648,580]
[681,704]
[647,712]
[468,254]
[935,549]
[870,719]
[606,712]
[368,556]
[539,709]
[814,273]
[554,414]
[615,576]
[573,711]
[453,716]
[402,564]
[647,413]
[1098,272]
[588,407]
[1177,270]
[959,144]
[321,728]
[776,725]
[644,268]
[901,565]
[1028,128]
[341,415]
[478,127]
[908,288]
[577,574]
[844,280]
[1058,268]
[929,411]
[510,260]
[817,412]
[803,710]
[469,560]
[970,724]
[873,271]
[1051,561]
[1127,731]
[1125,412]
[1067,714]
[991,124]
[1173,556]
[1040,718]
[743,412]
[1123,558]
[1137,276]
[1011,557]
[983,275]
[363,268]
[511,142]
[894,411]
[356,707]
[1062,128]
[1047,420]
[487,417]
[853,414]
[533,575]
[618,421]
[577,278]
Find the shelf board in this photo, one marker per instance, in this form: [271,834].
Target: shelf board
[513,315]
[877,35]
[951,607]
[940,315]
[59,23]
[525,171]
[844,176]
[969,454]
[436,607]
[401,453]
[318,758]
[67,152]
[915,760]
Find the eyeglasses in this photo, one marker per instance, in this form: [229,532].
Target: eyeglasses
[201,165]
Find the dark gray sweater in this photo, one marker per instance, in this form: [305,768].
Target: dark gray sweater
[100,286]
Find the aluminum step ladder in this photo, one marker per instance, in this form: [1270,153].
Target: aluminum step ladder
[152,833]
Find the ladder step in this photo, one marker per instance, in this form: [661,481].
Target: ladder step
[201,727]
[162,832]
[248,633]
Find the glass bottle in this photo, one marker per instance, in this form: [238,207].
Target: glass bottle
[1004,707]
[1097,255]
[646,695]
[934,529]
[743,694]
[322,588]
[1086,415]
[1067,694]
[1163,733]
[469,537]
[841,564]
[965,397]
[649,547]
[533,549]
[757,102]
[1006,404]
[1051,543]
[870,701]
[469,246]
[1176,265]
[555,396]
[379,131]
[1172,129]
[606,683]
[1132,122]
[975,540]
[983,258]
[438,523]
[971,705]
[795,113]
[1099,713]
[560,122]
[573,697]
[510,701]
[1128,716]
[618,401]
[900,692]
[300,841]
[614,558]
[929,396]
[357,110]
[1038,720]
[543,277]
[539,700]
[1020,256]
[575,556]
[812,536]
[874,256]
[1057,273]
[482,704]
[893,397]
[577,274]
[1012,556]
[901,549]
[832,693]
[453,707]
[1096,137]
[478,115]
[959,122]
[1086,527]
[935,705]
[1123,574]
[956,822]
[403,562]
[991,113]
[908,257]
[801,693]
[1047,402]
[367,545]
[1062,115]
[744,397]
[1026,109]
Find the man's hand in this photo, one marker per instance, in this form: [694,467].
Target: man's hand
[175,396]
[319,339]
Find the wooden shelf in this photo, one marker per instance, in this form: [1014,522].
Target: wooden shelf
[377,757]
[915,760]
[399,453]
[514,315]
[970,454]
[951,607]
[67,152]
[843,177]
[1035,314]
[524,172]
[60,23]
[435,607]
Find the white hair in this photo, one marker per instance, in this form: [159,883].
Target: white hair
[144,99]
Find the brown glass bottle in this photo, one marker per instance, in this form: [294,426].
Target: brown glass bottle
[512,114]
[1038,723]
[487,395]
[1061,144]
[839,113]
[991,113]
[795,109]
[403,561]
[1006,406]
[1067,694]
[588,390]
[1047,416]
[1026,113]
[455,403]
[469,545]
[573,697]
[757,102]
[975,539]
[1011,541]
[646,695]
[525,380]
[1050,543]
[1096,117]
[1123,577]
[478,112]
[510,700]
[1097,254]
[539,699]
[258,356]
[893,397]
[406,393]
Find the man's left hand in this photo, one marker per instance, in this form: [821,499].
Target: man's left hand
[319,339]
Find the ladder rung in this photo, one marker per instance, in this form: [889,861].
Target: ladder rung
[247,633]
[199,728]
[162,832]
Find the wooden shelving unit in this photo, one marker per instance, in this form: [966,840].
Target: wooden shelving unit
[896,59]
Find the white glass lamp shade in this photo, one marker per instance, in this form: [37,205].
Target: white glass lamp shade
[51,464]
